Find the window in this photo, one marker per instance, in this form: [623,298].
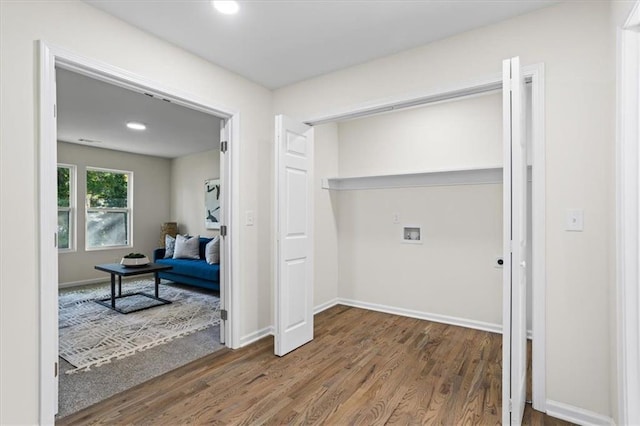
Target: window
[66,207]
[109,208]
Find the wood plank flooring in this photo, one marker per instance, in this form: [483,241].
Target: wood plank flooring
[363,367]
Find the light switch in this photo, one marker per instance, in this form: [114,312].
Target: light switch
[575,220]
[249,218]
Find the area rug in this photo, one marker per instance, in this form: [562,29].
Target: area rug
[91,334]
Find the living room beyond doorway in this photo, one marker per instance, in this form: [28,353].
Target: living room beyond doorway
[128,164]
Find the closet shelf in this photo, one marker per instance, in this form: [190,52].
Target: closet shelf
[433,178]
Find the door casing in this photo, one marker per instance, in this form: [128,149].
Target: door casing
[628,219]
[50,57]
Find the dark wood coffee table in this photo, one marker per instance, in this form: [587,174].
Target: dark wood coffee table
[116,269]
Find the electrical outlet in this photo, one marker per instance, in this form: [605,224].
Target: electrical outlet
[249,218]
[396,218]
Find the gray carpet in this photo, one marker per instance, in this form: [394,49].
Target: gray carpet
[85,388]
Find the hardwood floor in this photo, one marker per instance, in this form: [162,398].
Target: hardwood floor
[363,367]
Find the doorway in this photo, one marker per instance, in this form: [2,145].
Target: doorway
[50,59]
[534,76]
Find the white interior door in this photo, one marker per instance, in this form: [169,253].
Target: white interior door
[514,319]
[294,222]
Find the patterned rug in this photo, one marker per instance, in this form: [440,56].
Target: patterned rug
[91,334]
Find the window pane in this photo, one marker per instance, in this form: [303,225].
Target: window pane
[63,229]
[64,183]
[107,189]
[105,229]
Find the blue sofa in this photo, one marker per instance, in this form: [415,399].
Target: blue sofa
[190,271]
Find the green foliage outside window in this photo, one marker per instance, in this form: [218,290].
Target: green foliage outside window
[64,186]
[107,189]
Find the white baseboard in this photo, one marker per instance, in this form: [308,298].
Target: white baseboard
[576,415]
[256,335]
[83,282]
[326,305]
[445,319]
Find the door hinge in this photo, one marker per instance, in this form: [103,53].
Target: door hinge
[55,111]
[224,315]
[55,369]
[223,146]
[510,406]
[55,239]
[223,230]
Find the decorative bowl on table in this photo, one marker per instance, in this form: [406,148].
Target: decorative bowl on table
[133,260]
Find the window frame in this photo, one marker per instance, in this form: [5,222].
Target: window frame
[128,209]
[72,209]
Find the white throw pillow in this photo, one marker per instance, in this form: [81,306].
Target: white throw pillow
[169,246]
[212,251]
[187,247]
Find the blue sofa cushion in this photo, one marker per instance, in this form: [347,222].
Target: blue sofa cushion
[193,268]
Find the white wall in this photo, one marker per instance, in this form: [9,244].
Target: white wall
[188,174]
[78,27]
[150,207]
[326,251]
[452,272]
[451,135]
[575,42]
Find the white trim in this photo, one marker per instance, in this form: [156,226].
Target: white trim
[47,251]
[538,238]
[535,75]
[326,305]
[444,177]
[444,319]
[455,91]
[51,57]
[627,222]
[469,88]
[82,282]
[255,336]
[463,176]
[576,415]
[128,210]
[633,20]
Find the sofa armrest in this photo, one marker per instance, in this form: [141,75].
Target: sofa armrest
[158,254]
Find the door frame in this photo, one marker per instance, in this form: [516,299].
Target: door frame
[50,57]
[533,74]
[627,219]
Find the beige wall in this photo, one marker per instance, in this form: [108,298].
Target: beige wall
[188,174]
[574,41]
[80,28]
[150,206]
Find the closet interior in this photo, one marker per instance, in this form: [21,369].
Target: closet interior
[410,203]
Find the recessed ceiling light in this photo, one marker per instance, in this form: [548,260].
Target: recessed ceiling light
[136,126]
[228,7]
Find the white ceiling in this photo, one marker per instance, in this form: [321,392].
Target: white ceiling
[272,42]
[276,43]
[92,109]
